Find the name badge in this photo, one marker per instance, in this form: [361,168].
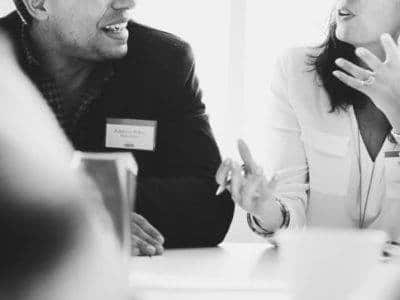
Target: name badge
[392,154]
[392,174]
[131,134]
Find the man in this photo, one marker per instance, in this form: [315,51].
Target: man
[115,85]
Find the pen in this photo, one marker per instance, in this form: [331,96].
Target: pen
[220,190]
[222,187]
[227,182]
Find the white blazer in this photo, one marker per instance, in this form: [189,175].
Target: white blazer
[324,170]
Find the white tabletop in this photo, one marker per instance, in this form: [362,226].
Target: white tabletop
[228,271]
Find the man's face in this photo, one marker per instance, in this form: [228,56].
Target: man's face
[89,29]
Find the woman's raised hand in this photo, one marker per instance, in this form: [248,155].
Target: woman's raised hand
[380,82]
[249,187]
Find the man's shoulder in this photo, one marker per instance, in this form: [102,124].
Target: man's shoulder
[157,45]
[151,36]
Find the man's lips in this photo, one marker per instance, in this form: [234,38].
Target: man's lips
[116,26]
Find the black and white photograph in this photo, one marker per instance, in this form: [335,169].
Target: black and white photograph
[191,150]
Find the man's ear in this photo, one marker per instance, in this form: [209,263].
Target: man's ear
[37,9]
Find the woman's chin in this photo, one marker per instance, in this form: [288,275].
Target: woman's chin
[356,38]
[348,38]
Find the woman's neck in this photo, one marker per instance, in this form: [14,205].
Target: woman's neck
[377,49]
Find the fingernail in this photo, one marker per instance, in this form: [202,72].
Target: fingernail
[339,61]
[151,249]
[360,51]
[335,73]
[160,239]
[219,190]
[160,249]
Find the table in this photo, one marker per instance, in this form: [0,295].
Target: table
[230,271]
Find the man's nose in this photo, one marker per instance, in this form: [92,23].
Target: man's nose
[123,4]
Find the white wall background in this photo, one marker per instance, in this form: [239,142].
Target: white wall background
[236,43]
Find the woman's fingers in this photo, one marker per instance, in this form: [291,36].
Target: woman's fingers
[223,172]
[269,187]
[350,81]
[236,182]
[354,70]
[250,192]
[243,185]
[246,156]
[390,47]
[373,62]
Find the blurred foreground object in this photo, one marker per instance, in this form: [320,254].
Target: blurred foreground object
[57,240]
[115,177]
[382,284]
[329,264]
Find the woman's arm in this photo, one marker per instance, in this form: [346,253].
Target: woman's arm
[285,149]
[280,201]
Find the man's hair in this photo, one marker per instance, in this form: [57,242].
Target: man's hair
[23,12]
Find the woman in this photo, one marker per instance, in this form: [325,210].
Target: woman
[334,130]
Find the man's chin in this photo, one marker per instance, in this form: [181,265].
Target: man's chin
[115,53]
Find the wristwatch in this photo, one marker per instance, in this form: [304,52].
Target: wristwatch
[256,227]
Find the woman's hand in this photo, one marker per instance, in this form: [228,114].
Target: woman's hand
[248,185]
[381,83]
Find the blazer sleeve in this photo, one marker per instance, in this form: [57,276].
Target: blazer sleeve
[285,151]
[182,203]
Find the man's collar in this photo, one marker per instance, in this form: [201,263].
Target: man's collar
[27,48]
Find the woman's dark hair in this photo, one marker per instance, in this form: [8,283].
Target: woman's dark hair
[340,95]
[23,12]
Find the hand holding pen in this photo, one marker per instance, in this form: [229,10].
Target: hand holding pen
[247,184]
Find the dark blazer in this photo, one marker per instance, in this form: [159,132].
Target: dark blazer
[176,186]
